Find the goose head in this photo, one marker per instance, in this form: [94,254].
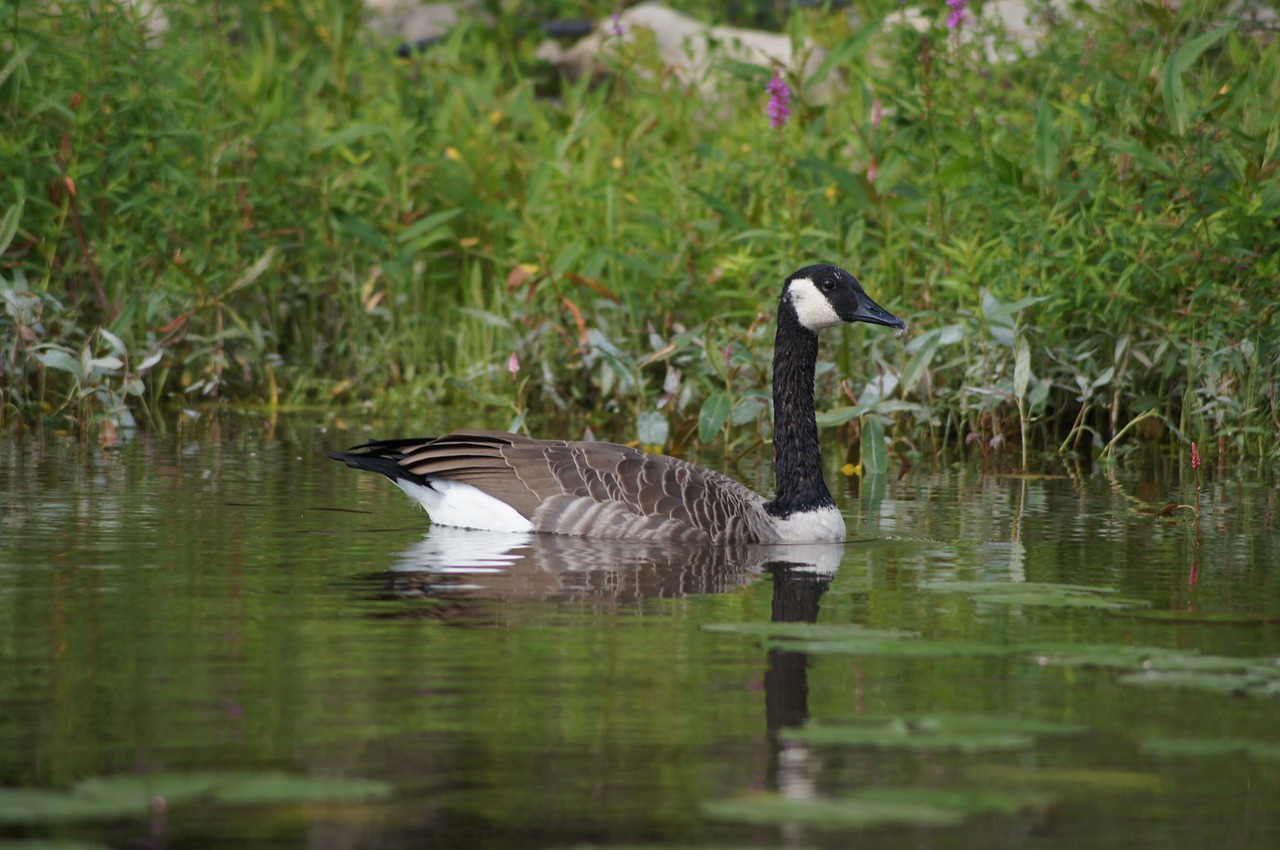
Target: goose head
[823,296]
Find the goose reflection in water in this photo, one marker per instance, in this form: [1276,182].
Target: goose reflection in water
[453,563]
[460,564]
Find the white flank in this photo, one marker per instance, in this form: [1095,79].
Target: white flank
[464,506]
[822,525]
[813,308]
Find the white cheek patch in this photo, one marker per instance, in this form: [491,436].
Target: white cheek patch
[812,307]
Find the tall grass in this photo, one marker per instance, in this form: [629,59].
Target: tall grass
[265,205]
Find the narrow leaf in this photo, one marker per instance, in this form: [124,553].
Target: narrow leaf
[9,226]
[1045,139]
[875,455]
[1175,97]
[1021,367]
[711,418]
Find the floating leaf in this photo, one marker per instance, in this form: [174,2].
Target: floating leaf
[909,737]
[1043,594]
[901,648]
[1209,617]
[130,796]
[1234,684]
[844,813]
[969,801]
[810,631]
[1209,747]
[1084,779]
[962,732]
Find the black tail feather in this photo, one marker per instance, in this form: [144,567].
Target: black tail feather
[381,456]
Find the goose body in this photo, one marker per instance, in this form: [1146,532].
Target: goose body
[506,482]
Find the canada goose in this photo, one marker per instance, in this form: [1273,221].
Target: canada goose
[506,482]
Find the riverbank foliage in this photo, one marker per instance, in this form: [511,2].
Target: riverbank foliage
[266,205]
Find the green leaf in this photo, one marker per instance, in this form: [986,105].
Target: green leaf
[1021,367]
[56,358]
[746,409]
[875,455]
[915,367]
[1175,96]
[843,53]
[1191,49]
[428,225]
[713,414]
[9,226]
[1046,139]
[652,429]
[840,415]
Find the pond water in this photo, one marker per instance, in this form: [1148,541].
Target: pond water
[221,638]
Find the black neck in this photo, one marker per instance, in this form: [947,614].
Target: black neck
[797,456]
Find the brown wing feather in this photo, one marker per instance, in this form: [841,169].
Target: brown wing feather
[595,489]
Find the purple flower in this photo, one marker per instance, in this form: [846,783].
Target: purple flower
[956,16]
[617,26]
[779,101]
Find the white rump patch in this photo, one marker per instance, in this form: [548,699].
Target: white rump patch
[813,308]
[461,505]
[822,525]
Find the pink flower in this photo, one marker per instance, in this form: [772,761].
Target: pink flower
[956,16]
[1195,457]
[875,114]
[779,101]
[513,364]
[872,171]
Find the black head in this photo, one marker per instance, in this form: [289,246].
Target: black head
[823,296]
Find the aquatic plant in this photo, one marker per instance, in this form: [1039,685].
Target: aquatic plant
[779,106]
[293,219]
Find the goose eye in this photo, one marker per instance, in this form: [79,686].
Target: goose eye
[827,284]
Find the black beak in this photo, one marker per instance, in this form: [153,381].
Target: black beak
[872,313]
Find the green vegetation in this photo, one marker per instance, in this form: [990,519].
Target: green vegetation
[265,206]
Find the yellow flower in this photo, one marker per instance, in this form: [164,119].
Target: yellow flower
[451,154]
[850,469]
[617,162]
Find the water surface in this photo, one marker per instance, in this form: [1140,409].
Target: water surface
[226,602]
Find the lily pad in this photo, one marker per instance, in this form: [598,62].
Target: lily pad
[1209,747]
[810,631]
[910,737]
[1257,684]
[1065,779]
[131,796]
[900,648]
[1223,618]
[967,733]
[970,802]
[842,813]
[1041,594]
[875,807]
